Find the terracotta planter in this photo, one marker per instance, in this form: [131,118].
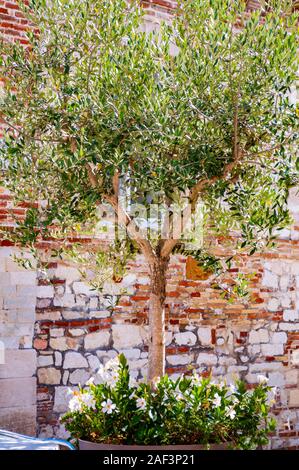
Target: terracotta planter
[87,445]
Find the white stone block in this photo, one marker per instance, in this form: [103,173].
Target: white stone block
[129,280]
[265,366]
[289,326]
[276,379]
[137,364]
[24,278]
[227,361]
[19,302]
[63,343]
[178,359]
[291,377]
[258,336]
[7,290]
[127,336]
[273,304]
[295,268]
[26,315]
[18,363]
[284,282]
[44,361]
[58,358]
[62,398]
[186,338]
[77,332]
[57,332]
[5,279]
[168,338]
[270,280]
[16,392]
[74,360]
[279,337]
[83,288]
[49,375]
[272,349]
[204,336]
[79,376]
[130,354]
[286,300]
[97,340]
[206,359]
[43,292]
[68,273]
[93,362]
[291,315]
[67,300]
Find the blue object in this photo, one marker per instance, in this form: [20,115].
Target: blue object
[13,441]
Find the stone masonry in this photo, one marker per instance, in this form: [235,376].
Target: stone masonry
[56,331]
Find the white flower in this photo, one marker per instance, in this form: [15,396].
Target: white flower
[179,395]
[217,400]
[112,379]
[112,364]
[262,379]
[232,388]
[88,400]
[109,376]
[101,371]
[108,406]
[75,403]
[90,381]
[230,412]
[79,400]
[141,403]
[235,400]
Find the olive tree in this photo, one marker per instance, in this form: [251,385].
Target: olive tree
[196,113]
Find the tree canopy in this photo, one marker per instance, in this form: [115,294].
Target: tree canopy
[196,111]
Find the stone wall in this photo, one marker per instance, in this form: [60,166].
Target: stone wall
[18,360]
[76,331]
[55,332]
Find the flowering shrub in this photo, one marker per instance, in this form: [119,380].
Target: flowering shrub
[189,410]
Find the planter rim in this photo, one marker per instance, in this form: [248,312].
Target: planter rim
[88,445]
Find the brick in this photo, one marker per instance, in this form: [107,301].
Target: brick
[40,344]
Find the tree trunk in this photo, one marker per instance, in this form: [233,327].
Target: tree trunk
[156,366]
